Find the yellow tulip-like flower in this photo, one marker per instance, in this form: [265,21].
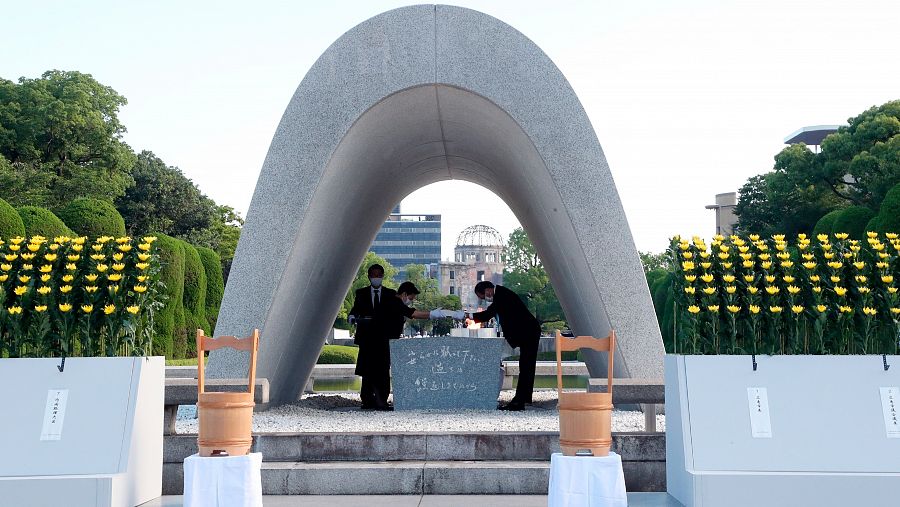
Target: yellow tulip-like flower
[780,247]
[840,291]
[817,289]
[118,267]
[766,265]
[713,308]
[40,308]
[144,278]
[17,240]
[855,248]
[808,256]
[143,265]
[733,308]
[864,290]
[91,277]
[133,309]
[878,247]
[50,257]
[91,288]
[65,289]
[73,257]
[140,289]
[118,256]
[788,278]
[14,310]
[775,309]
[841,235]
[53,247]
[884,255]
[728,278]
[746,256]
[731,289]
[123,239]
[4,277]
[770,278]
[148,239]
[79,240]
[747,264]
[44,290]
[892,290]
[114,289]
[705,265]
[859,265]
[861,278]
[24,278]
[687,255]
[65,307]
[821,308]
[752,290]
[98,257]
[144,246]
[102,268]
[687,278]
[872,234]
[778,237]
[709,290]
[707,278]
[743,249]
[46,268]
[829,256]
[690,290]
[845,309]
[719,237]
[814,278]
[868,310]
[21,289]
[124,248]
[772,290]
[694,309]
[797,309]
[144,257]
[67,278]
[887,279]
[764,257]
[87,308]
[71,267]
[5,267]
[686,265]
[114,277]
[748,278]
[14,248]
[684,245]
[801,236]
[784,256]
[891,235]
[835,265]
[834,279]
[803,246]
[97,247]
[108,309]
[723,255]
[882,265]
[895,311]
[754,309]
[754,237]
[77,248]
[827,248]
[27,267]
[809,265]
[793,289]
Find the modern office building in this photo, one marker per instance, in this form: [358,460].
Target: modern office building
[409,239]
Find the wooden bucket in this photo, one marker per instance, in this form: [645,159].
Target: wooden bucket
[225,423]
[585,423]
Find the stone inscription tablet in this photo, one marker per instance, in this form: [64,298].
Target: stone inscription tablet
[446,373]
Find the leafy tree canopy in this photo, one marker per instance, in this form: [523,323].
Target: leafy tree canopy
[525,275]
[361,280]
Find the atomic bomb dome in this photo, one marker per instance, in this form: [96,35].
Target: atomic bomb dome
[479,235]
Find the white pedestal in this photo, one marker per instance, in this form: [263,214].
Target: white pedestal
[586,481]
[223,481]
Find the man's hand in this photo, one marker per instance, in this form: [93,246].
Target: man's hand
[438,313]
[351,319]
[457,315]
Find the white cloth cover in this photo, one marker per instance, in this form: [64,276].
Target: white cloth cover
[223,481]
[586,481]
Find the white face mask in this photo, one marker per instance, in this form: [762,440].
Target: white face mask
[407,302]
[489,299]
[376,282]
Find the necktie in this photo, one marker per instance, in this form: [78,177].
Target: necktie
[377,297]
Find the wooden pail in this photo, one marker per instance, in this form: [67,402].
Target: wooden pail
[585,423]
[225,423]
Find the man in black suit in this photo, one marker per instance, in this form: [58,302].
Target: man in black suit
[374,361]
[520,329]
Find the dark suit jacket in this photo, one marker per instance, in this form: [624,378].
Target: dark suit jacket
[518,324]
[373,327]
[372,334]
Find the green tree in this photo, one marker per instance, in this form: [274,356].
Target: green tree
[653,262]
[361,280]
[62,138]
[221,236]
[429,298]
[525,275]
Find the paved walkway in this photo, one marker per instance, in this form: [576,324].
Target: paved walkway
[634,500]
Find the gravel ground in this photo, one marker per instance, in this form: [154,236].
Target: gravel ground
[329,412]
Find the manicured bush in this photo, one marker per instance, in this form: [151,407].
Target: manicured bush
[10,222]
[338,354]
[873,224]
[889,215]
[853,221]
[42,222]
[171,253]
[92,218]
[824,225]
[215,284]
[194,297]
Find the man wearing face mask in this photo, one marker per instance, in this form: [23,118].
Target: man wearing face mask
[520,329]
[379,313]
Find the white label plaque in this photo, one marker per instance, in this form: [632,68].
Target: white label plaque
[760,422]
[54,414]
[890,403]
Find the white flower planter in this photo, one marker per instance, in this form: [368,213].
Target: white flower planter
[828,440]
[105,448]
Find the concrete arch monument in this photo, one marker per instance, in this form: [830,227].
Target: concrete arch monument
[407,98]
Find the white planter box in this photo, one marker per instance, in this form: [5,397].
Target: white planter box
[829,444]
[105,450]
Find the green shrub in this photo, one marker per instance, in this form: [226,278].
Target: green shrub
[215,283]
[42,222]
[92,218]
[873,224]
[194,298]
[889,215]
[171,254]
[853,221]
[824,225]
[338,354]
[10,222]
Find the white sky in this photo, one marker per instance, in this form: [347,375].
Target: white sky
[688,98]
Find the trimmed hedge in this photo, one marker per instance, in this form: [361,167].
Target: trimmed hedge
[889,215]
[194,298]
[853,221]
[42,222]
[92,218]
[11,224]
[215,283]
[824,225]
[338,354]
[873,224]
[171,258]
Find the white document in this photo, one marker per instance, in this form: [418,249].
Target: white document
[54,414]
[890,403]
[760,422]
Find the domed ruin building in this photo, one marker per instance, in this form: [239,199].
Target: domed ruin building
[478,256]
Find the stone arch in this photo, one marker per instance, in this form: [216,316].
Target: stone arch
[407,98]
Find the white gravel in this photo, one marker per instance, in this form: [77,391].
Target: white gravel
[339,412]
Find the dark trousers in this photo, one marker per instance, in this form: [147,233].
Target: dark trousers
[375,388]
[527,364]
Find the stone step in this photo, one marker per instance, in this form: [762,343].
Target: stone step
[405,478]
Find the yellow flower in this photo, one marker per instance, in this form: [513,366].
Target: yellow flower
[747,264]
[91,288]
[44,290]
[766,265]
[841,235]
[125,248]
[14,248]
[149,239]
[123,239]
[108,309]
[864,290]
[826,247]
[46,268]
[143,278]
[727,278]
[133,309]
[67,278]
[775,309]
[748,278]
[91,277]
[709,290]
[868,310]
[143,257]
[690,290]
[817,289]
[885,255]
[97,247]
[754,237]
[27,267]
[895,311]
[752,290]
[684,245]
[780,247]
[707,278]
[24,278]
[5,267]
[687,265]
[687,278]
[845,309]
[143,265]
[829,255]
[840,291]
[118,256]
[98,257]
[743,249]
[892,290]
[102,267]
[65,289]
[808,256]
[821,308]
[834,279]
[887,279]
[77,248]
[801,236]
[789,278]
[40,308]
[848,255]
[686,255]
[855,248]
[764,257]
[114,277]
[723,255]
[754,309]
[3,277]
[704,265]
[79,240]
[114,288]
[835,265]
[793,289]
[733,309]
[72,257]
[694,309]
[140,289]
[770,278]
[45,278]
[891,235]
[118,267]
[872,234]
[713,308]
[17,240]
[859,265]
[784,256]
[882,265]
[809,265]
[87,308]
[861,278]
[814,278]
[730,289]
[71,267]
[14,310]
[746,256]
[22,289]
[878,247]
[65,307]
[772,290]
[797,309]
[719,237]
[50,257]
